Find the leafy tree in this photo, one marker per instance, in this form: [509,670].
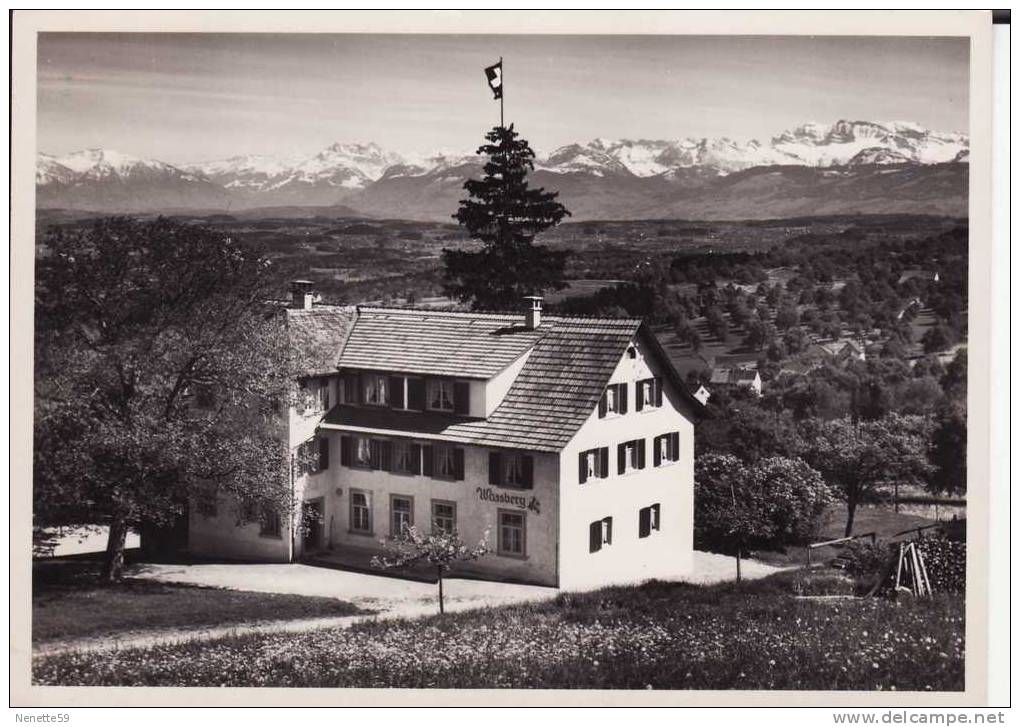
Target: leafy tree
[948,451]
[859,458]
[747,431]
[937,338]
[505,215]
[759,333]
[787,316]
[954,382]
[774,501]
[441,550]
[136,323]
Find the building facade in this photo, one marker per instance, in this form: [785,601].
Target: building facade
[565,443]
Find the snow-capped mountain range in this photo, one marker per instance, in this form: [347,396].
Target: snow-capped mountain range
[349,171]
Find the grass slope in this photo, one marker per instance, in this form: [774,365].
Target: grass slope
[68,604]
[656,636]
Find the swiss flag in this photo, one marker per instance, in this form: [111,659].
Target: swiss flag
[494,75]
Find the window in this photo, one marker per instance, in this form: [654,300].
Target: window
[269,524]
[594,464]
[362,452]
[444,516]
[630,456]
[649,394]
[600,533]
[511,533]
[401,514]
[648,520]
[511,469]
[324,394]
[667,449]
[402,462]
[440,394]
[361,512]
[374,387]
[444,462]
[614,400]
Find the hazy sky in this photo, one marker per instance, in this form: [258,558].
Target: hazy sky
[189,97]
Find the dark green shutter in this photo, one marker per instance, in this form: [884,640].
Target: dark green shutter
[345,451]
[528,470]
[495,468]
[621,458]
[639,393]
[595,536]
[416,394]
[386,455]
[622,396]
[604,463]
[582,468]
[426,460]
[396,392]
[461,397]
[657,451]
[658,391]
[602,406]
[374,453]
[644,522]
[323,453]
[674,446]
[640,444]
[415,459]
[458,464]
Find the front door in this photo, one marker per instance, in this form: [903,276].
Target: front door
[313,511]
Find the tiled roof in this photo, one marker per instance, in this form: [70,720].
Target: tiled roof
[442,343]
[555,392]
[559,386]
[317,336]
[732,376]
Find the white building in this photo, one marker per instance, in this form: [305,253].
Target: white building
[566,442]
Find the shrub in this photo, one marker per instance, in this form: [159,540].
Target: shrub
[946,563]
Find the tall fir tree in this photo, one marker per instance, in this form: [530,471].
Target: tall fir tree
[505,215]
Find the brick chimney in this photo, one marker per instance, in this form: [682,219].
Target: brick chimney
[301,294]
[533,311]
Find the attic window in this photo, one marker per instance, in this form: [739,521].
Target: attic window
[631,352]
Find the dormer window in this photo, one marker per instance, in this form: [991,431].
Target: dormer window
[374,386]
[440,395]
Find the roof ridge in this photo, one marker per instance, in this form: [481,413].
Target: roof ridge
[495,314]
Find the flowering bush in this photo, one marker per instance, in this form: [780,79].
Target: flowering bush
[660,635]
[946,563]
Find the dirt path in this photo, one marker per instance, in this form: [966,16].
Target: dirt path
[387,598]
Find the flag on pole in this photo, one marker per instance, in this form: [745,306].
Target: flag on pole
[494,75]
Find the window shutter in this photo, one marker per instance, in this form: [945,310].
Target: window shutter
[644,522]
[602,406]
[416,394]
[345,451]
[595,536]
[657,511]
[374,453]
[426,460]
[528,470]
[658,391]
[609,530]
[582,468]
[604,462]
[323,453]
[461,397]
[623,397]
[621,458]
[639,393]
[640,454]
[495,468]
[396,392]
[458,464]
[415,459]
[674,446]
[386,455]
[657,451]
